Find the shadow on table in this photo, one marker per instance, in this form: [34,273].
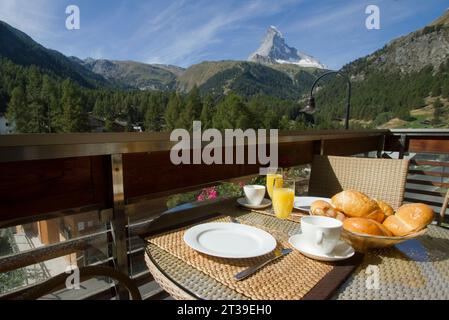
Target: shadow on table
[424,249]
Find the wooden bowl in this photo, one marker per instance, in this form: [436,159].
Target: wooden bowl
[363,242]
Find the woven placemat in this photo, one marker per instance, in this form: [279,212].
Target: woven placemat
[290,277]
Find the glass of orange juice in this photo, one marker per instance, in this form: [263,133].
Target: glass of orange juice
[272,175]
[283,198]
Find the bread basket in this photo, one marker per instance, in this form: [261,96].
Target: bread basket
[363,242]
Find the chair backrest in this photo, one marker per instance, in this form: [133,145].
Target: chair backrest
[383,179]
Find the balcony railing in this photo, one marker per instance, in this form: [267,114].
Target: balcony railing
[89,197]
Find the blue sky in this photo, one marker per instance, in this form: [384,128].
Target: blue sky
[183,32]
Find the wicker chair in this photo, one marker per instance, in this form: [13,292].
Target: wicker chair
[443,208]
[383,179]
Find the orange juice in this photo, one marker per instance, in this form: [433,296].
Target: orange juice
[283,202]
[270,182]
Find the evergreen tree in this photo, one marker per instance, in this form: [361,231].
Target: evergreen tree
[192,109]
[173,111]
[231,113]
[99,108]
[17,110]
[36,108]
[153,119]
[108,125]
[271,120]
[436,89]
[130,117]
[52,106]
[445,89]
[73,119]
[403,113]
[206,112]
[437,106]
[284,123]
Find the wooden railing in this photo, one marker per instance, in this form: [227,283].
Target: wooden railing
[428,175]
[126,174]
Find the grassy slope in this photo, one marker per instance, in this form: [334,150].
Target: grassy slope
[199,73]
[422,117]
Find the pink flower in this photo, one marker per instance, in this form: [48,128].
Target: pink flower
[207,194]
[213,194]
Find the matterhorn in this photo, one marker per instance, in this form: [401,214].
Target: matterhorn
[274,50]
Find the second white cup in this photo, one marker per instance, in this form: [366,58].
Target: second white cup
[321,234]
[254,194]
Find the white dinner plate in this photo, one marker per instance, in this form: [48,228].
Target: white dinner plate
[303,203]
[265,203]
[229,240]
[341,252]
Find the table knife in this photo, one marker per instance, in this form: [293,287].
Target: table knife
[249,271]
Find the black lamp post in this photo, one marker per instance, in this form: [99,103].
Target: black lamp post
[310,107]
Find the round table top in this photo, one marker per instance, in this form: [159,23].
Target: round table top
[415,269]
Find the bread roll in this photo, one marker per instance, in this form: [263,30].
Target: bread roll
[409,218]
[323,208]
[356,204]
[366,226]
[385,207]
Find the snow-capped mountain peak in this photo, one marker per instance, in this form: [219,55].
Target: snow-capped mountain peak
[274,50]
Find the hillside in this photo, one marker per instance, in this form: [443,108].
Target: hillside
[423,117]
[394,80]
[23,50]
[136,75]
[286,81]
[198,74]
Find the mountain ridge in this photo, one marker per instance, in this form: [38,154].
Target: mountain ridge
[408,53]
[21,49]
[135,74]
[443,19]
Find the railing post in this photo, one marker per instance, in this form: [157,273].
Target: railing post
[118,222]
[402,141]
[321,147]
[381,146]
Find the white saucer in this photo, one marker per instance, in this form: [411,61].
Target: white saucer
[303,203]
[265,203]
[341,252]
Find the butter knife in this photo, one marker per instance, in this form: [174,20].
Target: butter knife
[249,271]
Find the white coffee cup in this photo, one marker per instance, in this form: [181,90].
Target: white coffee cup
[254,194]
[320,234]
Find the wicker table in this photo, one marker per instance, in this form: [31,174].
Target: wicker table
[416,269]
